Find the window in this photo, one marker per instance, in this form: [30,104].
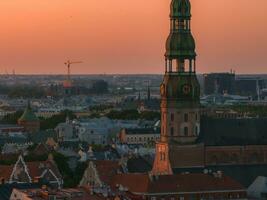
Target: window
[185,117]
[186,131]
[172,131]
[162,156]
[176,25]
[172,117]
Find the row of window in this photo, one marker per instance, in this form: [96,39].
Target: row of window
[185,131]
[185,118]
[142,139]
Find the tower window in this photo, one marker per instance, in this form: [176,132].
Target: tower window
[162,156]
[196,130]
[185,117]
[172,131]
[172,117]
[186,131]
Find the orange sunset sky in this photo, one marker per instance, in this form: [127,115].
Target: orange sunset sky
[128,36]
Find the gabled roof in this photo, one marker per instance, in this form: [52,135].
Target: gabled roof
[37,168]
[107,169]
[34,169]
[41,149]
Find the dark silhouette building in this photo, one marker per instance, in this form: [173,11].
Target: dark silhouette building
[219,83]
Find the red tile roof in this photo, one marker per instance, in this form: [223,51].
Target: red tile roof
[107,169]
[136,183]
[142,183]
[5,172]
[35,169]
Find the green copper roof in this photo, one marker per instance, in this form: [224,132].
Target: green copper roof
[180,45]
[28,115]
[180,9]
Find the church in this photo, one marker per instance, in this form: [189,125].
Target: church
[190,142]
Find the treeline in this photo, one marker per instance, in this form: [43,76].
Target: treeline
[45,123]
[133,115]
[24,91]
[52,122]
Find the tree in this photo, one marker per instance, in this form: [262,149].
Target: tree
[52,122]
[133,115]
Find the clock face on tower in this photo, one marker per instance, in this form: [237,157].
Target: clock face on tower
[186,89]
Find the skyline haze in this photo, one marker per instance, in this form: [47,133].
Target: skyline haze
[121,37]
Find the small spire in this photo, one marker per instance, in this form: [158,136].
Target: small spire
[148,93]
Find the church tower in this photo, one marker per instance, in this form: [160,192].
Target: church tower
[180,90]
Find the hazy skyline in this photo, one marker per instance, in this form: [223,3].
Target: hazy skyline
[122,36]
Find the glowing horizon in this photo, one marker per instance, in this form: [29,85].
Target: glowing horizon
[121,37]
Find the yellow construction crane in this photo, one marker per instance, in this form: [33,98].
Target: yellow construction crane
[68,83]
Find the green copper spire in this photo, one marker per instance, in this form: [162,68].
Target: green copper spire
[180,45]
[180,9]
[28,114]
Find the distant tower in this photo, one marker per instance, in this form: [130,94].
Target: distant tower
[148,93]
[180,90]
[29,121]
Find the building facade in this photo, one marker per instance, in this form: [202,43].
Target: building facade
[140,136]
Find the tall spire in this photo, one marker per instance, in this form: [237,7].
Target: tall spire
[180,92]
